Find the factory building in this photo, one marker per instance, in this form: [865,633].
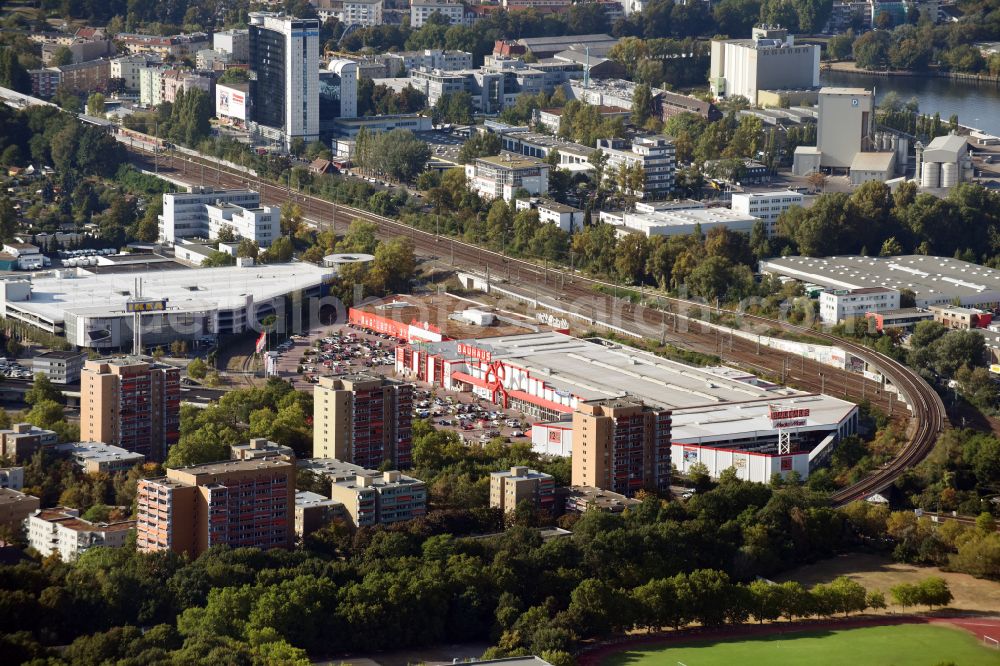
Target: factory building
[943,163]
[847,142]
[770,60]
[933,280]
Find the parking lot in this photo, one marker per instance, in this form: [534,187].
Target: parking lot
[344,349]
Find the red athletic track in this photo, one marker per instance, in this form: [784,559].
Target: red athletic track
[595,656]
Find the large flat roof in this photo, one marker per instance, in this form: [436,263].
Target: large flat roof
[932,279]
[437,311]
[593,371]
[224,288]
[727,422]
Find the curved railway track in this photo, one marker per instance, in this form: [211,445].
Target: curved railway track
[578,295]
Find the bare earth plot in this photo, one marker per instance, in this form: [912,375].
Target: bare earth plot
[878,573]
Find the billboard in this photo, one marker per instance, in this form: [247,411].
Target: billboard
[146,306]
[230,102]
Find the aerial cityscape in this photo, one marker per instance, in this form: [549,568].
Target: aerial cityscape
[519,332]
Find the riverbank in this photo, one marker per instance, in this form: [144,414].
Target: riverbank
[850,68]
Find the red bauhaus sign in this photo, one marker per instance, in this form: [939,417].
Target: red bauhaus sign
[786,414]
[466,349]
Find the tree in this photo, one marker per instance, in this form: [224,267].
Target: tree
[42,389]
[933,591]
[482,144]
[95,105]
[13,75]
[197,369]
[291,219]
[642,104]
[871,50]
[61,56]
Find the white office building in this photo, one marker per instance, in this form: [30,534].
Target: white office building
[770,60]
[656,156]
[500,177]
[421,10]
[61,530]
[12,478]
[284,77]
[837,305]
[675,219]
[765,205]
[204,212]
[234,42]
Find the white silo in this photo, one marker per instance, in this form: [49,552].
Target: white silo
[931,176]
[949,174]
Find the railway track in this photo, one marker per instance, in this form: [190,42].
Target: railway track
[578,294]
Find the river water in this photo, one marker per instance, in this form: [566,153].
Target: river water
[977,104]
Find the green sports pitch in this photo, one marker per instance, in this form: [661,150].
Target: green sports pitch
[898,645]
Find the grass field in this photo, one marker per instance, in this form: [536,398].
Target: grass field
[901,645]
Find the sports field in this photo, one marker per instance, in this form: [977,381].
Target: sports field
[899,645]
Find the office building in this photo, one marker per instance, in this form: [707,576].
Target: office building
[338,92]
[932,280]
[259,448]
[313,511]
[903,319]
[22,440]
[284,77]
[15,507]
[501,176]
[239,503]
[676,218]
[363,419]
[567,218]
[621,445]
[204,212]
[519,484]
[837,305]
[100,458]
[12,478]
[959,318]
[767,206]
[61,367]
[378,498]
[440,59]
[60,530]
[654,155]
[234,42]
[944,162]
[131,402]
[769,60]
[421,10]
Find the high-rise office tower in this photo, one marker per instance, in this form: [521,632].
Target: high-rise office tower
[621,445]
[363,419]
[284,77]
[240,503]
[131,402]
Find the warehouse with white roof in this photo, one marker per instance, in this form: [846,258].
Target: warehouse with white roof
[933,280]
[546,375]
[96,310]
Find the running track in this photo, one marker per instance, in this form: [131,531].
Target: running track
[596,655]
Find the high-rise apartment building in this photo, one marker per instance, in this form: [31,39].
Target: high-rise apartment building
[363,419]
[621,445]
[284,77]
[518,484]
[374,498]
[131,402]
[241,503]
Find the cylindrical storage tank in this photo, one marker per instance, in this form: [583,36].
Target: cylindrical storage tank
[931,176]
[949,174]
